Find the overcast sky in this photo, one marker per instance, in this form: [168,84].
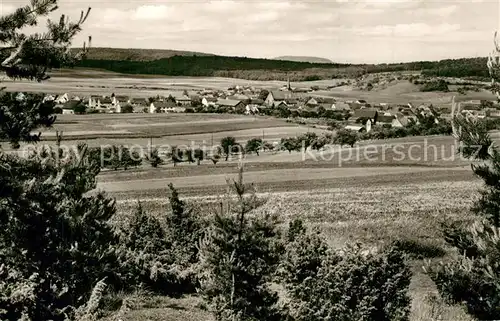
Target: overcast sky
[341,30]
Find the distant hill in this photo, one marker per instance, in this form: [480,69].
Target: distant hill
[185,63]
[122,54]
[315,60]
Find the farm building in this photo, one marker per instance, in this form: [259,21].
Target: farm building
[49,98]
[341,106]
[139,102]
[257,101]
[312,102]
[230,103]
[361,114]
[277,96]
[356,128]
[183,100]
[162,106]
[70,106]
[115,99]
[106,102]
[400,121]
[316,101]
[94,102]
[61,99]
[385,119]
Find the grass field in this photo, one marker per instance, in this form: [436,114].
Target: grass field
[372,205]
[364,194]
[167,129]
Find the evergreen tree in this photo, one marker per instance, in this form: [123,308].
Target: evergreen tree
[473,277]
[238,255]
[55,241]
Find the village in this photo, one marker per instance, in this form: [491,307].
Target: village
[287,102]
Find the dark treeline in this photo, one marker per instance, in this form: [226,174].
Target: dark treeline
[240,67]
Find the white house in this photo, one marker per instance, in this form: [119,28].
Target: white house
[341,106]
[49,98]
[94,102]
[163,107]
[61,99]
[251,109]
[209,101]
[184,100]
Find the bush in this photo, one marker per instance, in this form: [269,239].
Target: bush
[307,139]
[290,144]
[473,280]
[116,157]
[419,249]
[55,242]
[253,146]
[472,277]
[154,158]
[127,109]
[161,258]
[439,85]
[346,137]
[348,285]
[146,257]
[227,144]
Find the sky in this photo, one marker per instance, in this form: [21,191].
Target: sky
[362,31]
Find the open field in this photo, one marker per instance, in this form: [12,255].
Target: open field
[359,204]
[403,92]
[167,129]
[140,86]
[97,82]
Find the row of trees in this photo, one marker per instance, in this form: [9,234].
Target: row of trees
[121,157]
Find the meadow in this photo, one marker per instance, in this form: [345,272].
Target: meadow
[367,194]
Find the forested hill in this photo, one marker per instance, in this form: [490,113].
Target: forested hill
[270,69]
[131,54]
[304,59]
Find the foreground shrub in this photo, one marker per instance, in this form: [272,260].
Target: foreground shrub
[158,258]
[419,249]
[473,280]
[473,276]
[55,243]
[346,285]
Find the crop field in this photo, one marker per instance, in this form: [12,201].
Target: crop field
[370,205]
[167,129]
[97,82]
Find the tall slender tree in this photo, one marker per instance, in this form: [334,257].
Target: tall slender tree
[473,277]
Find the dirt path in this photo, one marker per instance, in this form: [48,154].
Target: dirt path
[268,176]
